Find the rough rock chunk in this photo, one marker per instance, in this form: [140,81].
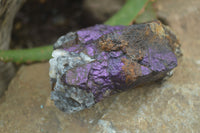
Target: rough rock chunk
[96,62]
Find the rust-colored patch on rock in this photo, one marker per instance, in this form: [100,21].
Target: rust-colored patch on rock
[139,55]
[157,28]
[174,42]
[131,69]
[147,31]
[109,45]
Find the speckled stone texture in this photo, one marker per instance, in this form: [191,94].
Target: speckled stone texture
[96,62]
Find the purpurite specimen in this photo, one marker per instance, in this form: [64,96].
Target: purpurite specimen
[96,62]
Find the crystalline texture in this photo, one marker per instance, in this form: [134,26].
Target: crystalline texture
[96,62]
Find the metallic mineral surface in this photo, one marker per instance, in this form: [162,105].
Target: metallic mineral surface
[96,62]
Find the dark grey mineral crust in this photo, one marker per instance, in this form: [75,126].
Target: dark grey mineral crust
[96,62]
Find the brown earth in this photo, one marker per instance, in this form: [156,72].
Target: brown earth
[172,106]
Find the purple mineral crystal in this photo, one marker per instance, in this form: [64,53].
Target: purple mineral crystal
[96,62]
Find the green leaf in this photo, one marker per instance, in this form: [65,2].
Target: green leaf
[147,14]
[127,13]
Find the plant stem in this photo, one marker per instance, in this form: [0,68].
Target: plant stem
[27,55]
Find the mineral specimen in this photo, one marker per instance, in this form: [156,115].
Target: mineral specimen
[96,62]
